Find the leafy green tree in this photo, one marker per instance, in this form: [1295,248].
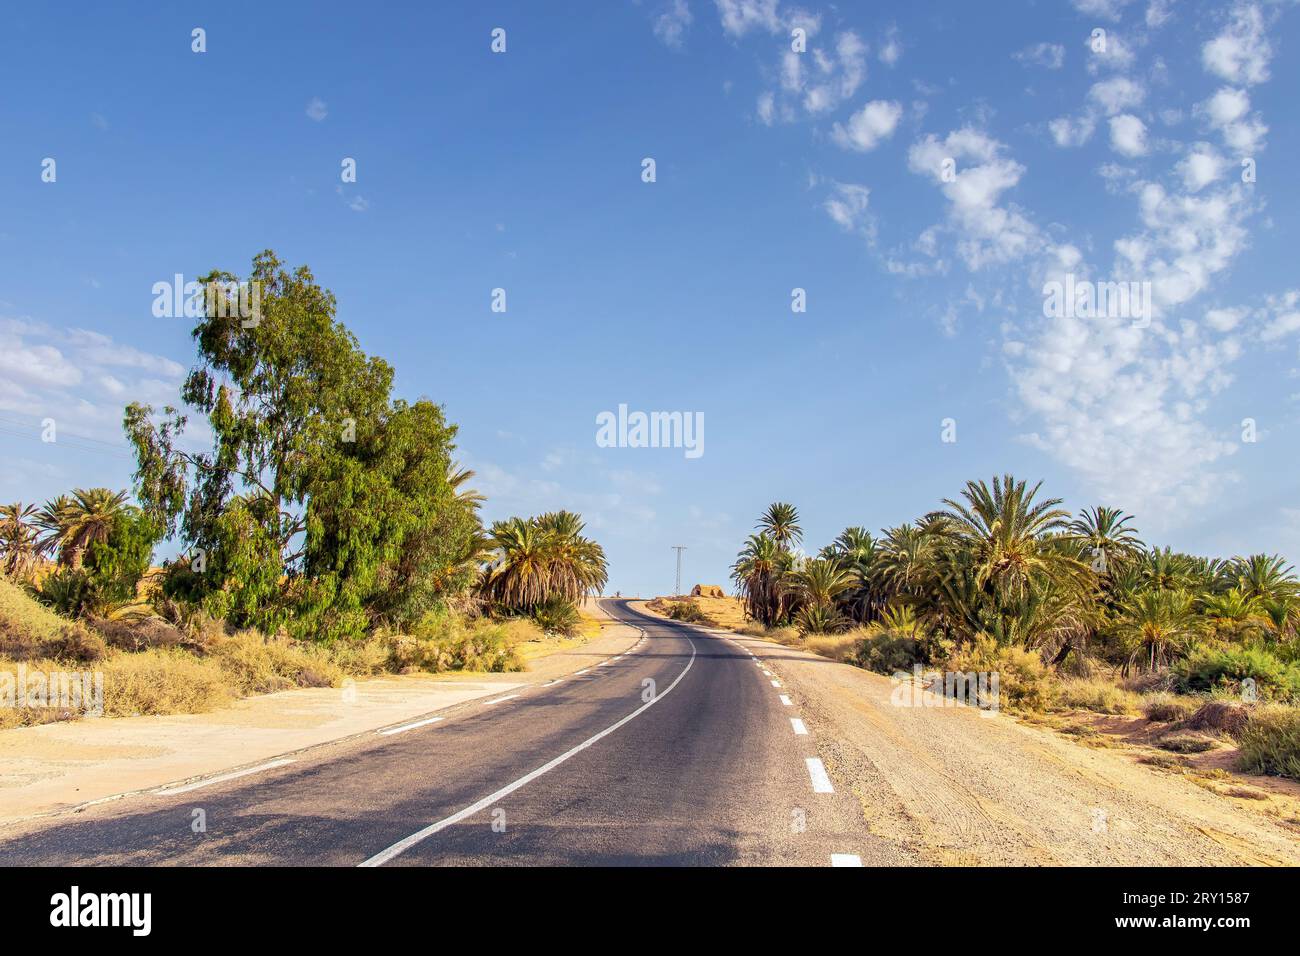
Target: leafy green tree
[321,505]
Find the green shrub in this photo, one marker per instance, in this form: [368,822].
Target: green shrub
[819,620]
[557,616]
[886,652]
[1270,742]
[443,641]
[687,611]
[1224,669]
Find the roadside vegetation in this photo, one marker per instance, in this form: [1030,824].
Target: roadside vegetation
[1074,612]
[325,532]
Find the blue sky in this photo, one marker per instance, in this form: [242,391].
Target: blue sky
[821,170]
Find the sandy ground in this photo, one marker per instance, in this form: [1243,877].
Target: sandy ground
[967,789]
[56,767]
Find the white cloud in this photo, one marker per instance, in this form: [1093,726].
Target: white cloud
[891,50]
[1227,111]
[834,77]
[1106,9]
[1116,95]
[1116,55]
[671,25]
[1225,320]
[741,16]
[868,127]
[1072,132]
[1288,323]
[987,233]
[316,109]
[1128,135]
[847,205]
[81,379]
[1241,53]
[1049,55]
[1201,167]
[1159,12]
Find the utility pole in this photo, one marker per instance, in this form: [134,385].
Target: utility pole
[679,548]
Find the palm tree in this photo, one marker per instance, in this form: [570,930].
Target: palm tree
[1235,614]
[905,563]
[1004,531]
[77,522]
[1262,576]
[1157,627]
[856,551]
[781,521]
[457,476]
[757,574]
[20,543]
[817,583]
[519,576]
[1104,534]
[577,564]
[535,560]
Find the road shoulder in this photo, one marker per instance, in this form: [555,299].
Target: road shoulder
[56,768]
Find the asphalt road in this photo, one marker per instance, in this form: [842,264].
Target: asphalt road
[678,752]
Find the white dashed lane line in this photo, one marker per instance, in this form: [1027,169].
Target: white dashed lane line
[186,788]
[820,782]
[499,700]
[411,726]
[800,729]
[785,700]
[776,683]
[845,859]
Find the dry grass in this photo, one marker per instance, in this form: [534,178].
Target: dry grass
[837,647]
[1270,742]
[1163,707]
[31,631]
[152,666]
[1097,695]
[163,682]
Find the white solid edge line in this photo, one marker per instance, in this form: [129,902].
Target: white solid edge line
[845,859]
[498,700]
[583,671]
[800,728]
[379,859]
[820,782]
[410,726]
[784,699]
[186,788]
